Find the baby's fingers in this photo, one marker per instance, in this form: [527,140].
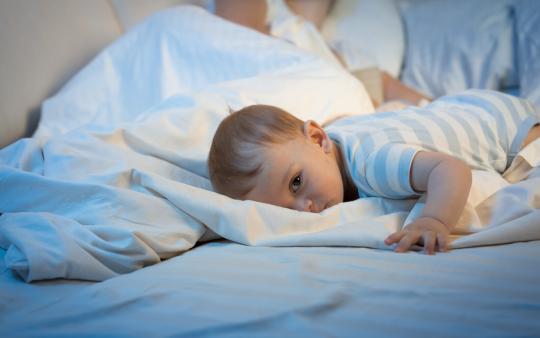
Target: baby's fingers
[394,238]
[442,242]
[407,241]
[429,242]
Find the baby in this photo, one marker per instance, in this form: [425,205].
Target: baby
[265,154]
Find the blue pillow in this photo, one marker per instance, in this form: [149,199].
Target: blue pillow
[452,45]
[528,36]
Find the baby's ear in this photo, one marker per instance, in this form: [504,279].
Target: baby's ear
[316,134]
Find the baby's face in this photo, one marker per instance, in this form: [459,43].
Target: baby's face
[300,174]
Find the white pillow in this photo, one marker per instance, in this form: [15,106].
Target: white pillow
[373,28]
[453,45]
[528,33]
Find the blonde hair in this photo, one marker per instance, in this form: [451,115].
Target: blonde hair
[235,154]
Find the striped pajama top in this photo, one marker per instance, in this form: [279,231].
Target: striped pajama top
[483,128]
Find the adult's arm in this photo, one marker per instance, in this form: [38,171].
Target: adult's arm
[249,13]
[394,89]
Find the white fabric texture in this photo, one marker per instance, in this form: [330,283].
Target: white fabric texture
[174,52]
[367,33]
[453,45]
[72,204]
[285,25]
[115,178]
[224,290]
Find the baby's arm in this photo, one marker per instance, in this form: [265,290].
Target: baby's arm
[447,182]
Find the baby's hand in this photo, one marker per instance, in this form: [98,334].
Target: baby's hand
[426,231]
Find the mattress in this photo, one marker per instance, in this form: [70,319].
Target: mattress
[223,289]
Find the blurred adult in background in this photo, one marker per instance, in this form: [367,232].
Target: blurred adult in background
[381,86]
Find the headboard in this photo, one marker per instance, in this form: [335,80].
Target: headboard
[45,42]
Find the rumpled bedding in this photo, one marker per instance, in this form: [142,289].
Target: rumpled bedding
[115,178]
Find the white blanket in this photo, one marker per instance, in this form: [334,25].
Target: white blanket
[115,178]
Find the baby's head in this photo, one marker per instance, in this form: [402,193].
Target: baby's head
[265,154]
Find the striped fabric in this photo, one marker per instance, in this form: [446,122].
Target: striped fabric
[483,128]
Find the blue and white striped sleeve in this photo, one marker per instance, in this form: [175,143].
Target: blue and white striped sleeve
[388,171]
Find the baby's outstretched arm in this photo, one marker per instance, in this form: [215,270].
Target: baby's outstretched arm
[447,182]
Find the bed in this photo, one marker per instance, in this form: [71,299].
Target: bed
[109,226]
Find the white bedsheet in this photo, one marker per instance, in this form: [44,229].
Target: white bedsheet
[222,289]
[115,178]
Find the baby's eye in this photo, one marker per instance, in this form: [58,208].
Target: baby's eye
[296,183]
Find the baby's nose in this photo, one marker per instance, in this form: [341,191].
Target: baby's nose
[308,206]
